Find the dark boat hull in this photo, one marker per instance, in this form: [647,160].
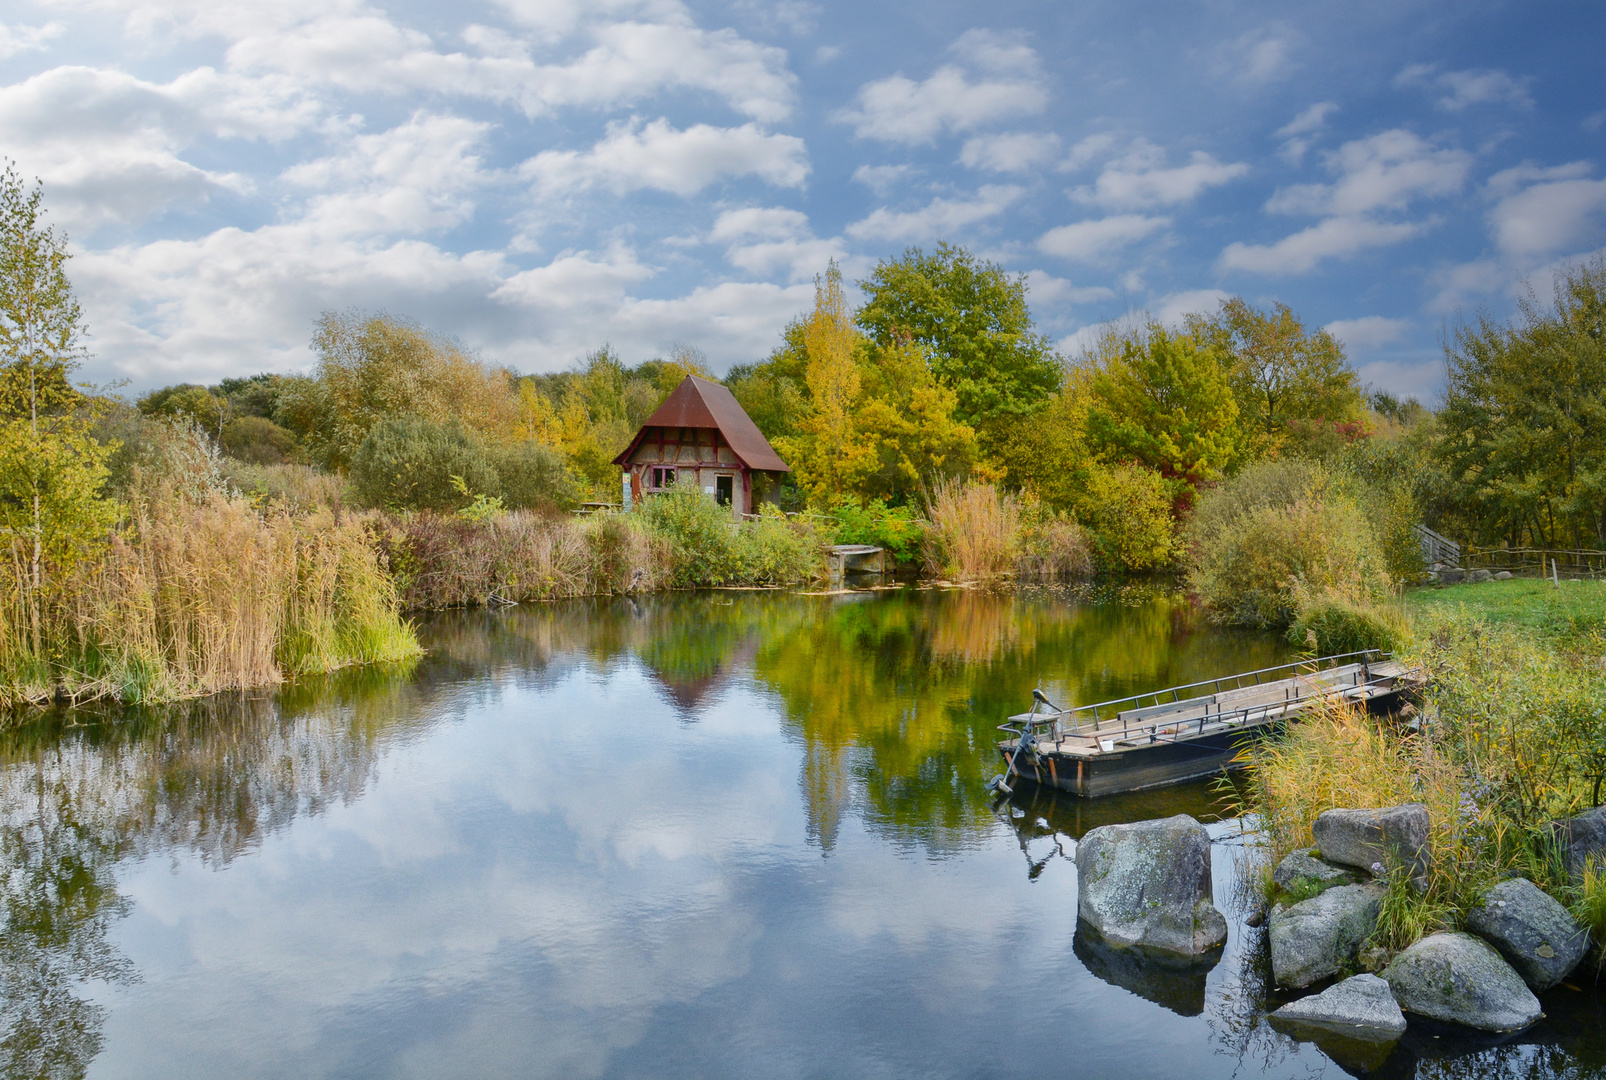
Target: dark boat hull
[1151,765]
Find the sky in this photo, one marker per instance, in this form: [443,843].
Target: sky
[538,178]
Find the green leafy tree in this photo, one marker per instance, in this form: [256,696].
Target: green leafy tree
[1165,402]
[409,463]
[972,319]
[52,471]
[1523,429]
[1289,383]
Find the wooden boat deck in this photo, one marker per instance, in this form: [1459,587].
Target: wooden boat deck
[1096,744]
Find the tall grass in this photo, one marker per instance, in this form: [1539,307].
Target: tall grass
[192,599]
[974,534]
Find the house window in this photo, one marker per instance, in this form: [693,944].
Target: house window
[724,489]
[663,478]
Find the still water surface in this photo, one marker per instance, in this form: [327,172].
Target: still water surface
[711,835]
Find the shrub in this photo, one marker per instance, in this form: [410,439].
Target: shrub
[895,528]
[1257,568]
[296,488]
[408,463]
[700,534]
[532,476]
[1330,625]
[1052,548]
[259,441]
[974,533]
[1128,507]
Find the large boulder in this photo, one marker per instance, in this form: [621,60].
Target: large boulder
[1478,577]
[1366,838]
[1147,885]
[1362,1005]
[1317,938]
[1581,839]
[1463,980]
[1301,872]
[1535,934]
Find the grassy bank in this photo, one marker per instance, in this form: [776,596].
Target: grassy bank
[1511,735]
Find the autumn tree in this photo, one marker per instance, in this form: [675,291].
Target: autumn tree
[1165,402]
[1286,380]
[52,510]
[971,317]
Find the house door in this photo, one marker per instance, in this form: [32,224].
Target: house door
[724,489]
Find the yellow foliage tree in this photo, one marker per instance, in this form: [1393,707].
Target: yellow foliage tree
[821,454]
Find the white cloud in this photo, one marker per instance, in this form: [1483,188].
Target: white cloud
[936,218]
[998,80]
[880,178]
[1260,56]
[1542,211]
[1009,152]
[415,178]
[1459,284]
[21,39]
[1487,86]
[1338,237]
[1045,288]
[1368,331]
[763,240]
[1169,310]
[1140,180]
[1088,150]
[1381,172]
[1299,131]
[632,156]
[1091,240]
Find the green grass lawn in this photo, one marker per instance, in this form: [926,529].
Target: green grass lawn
[1568,610]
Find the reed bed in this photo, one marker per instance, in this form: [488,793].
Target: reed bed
[974,535]
[188,599]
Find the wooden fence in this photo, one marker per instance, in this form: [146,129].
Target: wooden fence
[1537,562]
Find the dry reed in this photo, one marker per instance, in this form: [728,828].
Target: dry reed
[974,534]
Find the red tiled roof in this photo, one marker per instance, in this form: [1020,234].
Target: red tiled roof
[698,403]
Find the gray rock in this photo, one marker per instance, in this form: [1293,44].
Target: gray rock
[1319,937]
[1362,1006]
[1478,577]
[1148,885]
[1581,839]
[1535,934]
[1452,576]
[1504,575]
[1365,837]
[1461,979]
[1300,871]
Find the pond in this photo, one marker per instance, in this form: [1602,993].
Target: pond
[725,834]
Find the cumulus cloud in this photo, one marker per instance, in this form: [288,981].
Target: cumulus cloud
[1380,172]
[1045,288]
[937,218]
[20,39]
[764,240]
[1540,211]
[880,178]
[1171,309]
[1368,331]
[1259,56]
[1299,132]
[1091,240]
[1376,177]
[633,156]
[996,79]
[1459,284]
[1337,237]
[1015,151]
[1486,86]
[1141,180]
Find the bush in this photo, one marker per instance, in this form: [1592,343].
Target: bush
[1128,507]
[974,533]
[408,463]
[1279,534]
[1331,625]
[1052,548]
[532,476]
[259,441]
[706,547]
[895,528]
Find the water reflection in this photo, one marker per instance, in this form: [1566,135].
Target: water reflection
[586,839]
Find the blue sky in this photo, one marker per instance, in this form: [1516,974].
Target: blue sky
[538,178]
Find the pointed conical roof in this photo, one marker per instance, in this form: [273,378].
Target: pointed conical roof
[698,403]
